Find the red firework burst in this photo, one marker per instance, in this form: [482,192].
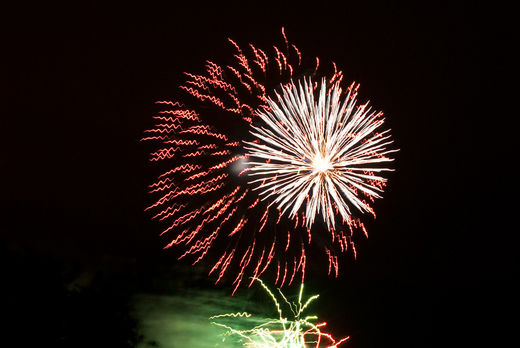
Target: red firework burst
[207,197]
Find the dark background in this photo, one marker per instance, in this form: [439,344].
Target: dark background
[438,268]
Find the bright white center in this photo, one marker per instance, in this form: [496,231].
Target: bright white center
[321,164]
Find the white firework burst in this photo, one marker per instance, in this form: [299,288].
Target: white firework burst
[325,151]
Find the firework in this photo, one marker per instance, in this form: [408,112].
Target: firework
[319,151]
[249,174]
[298,332]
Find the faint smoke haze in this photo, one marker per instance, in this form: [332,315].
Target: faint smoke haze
[181,320]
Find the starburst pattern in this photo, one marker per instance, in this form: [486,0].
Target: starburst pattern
[324,152]
[220,202]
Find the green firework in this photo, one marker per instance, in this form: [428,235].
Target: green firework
[294,331]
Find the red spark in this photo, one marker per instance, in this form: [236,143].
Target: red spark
[209,212]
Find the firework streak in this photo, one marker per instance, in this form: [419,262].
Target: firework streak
[298,332]
[258,149]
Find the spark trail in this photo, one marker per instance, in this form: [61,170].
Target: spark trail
[254,152]
[295,331]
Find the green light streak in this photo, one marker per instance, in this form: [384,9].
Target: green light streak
[296,332]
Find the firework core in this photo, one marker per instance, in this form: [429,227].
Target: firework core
[321,164]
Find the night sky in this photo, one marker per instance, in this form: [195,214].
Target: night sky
[83,264]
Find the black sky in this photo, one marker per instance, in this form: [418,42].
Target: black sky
[439,265]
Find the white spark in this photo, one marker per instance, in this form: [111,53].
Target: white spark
[325,152]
